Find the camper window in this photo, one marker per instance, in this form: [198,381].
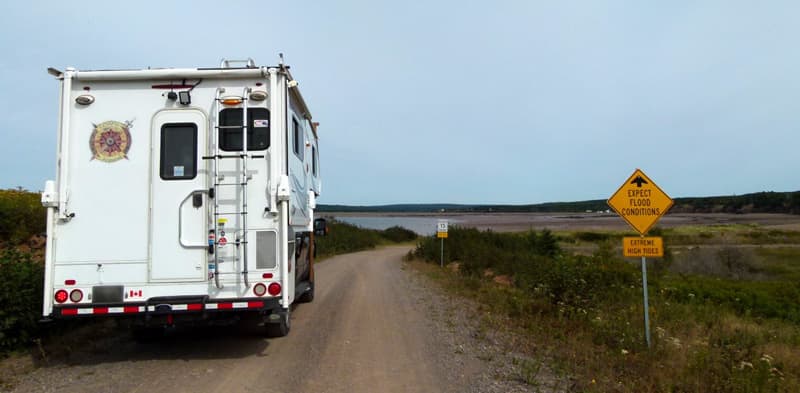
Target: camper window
[298,138]
[314,160]
[178,151]
[230,139]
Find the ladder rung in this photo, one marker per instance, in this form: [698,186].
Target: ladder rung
[229,184]
[233,156]
[229,214]
[228,127]
[224,156]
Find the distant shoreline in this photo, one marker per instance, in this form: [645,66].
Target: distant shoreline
[516,222]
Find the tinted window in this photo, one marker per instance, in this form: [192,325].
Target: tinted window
[230,139]
[314,160]
[298,139]
[178,151]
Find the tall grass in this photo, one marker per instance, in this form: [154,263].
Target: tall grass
[709,334]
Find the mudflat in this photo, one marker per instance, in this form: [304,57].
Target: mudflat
[517,222]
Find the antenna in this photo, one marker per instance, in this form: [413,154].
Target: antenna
[280,55]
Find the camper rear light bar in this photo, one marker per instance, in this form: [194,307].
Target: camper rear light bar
[190,307]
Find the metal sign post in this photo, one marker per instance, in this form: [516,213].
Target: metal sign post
[441,259]
[641,203]
[441,233]
[646,302]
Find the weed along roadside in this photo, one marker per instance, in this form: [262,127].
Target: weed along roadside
[583,312]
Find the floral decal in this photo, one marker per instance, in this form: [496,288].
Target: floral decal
[111,140]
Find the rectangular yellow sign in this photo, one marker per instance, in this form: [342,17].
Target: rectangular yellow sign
[652,247]
[442,235]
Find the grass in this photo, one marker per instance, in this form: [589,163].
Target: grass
[585,313]
[780,262]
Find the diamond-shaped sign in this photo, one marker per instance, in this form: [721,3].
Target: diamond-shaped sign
[640,202]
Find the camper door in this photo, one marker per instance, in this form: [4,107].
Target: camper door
[178,197]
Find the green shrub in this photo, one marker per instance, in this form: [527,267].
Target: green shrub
[21,216]
[592,236]
[343,238]
[536,264]
[398,234]
[20,298]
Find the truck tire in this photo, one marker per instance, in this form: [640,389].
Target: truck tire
[307,296]
[279,327]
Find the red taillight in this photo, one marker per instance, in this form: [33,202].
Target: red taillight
[76,295]
[69,282]
[61,296]
[275,289]
[266,275]
[260,289]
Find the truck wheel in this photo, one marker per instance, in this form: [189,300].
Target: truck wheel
[307,296]
[278,324]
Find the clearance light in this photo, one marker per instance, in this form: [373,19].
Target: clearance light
[275,289]
[266,275]
[84,99]
[76,295]
[69,282]
[61,296]
[231,100]
[258,95]
[260,289]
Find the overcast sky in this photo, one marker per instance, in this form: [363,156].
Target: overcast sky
[465,102]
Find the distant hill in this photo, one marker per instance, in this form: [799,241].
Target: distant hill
[759,202]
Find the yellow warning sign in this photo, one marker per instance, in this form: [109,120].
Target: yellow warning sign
[651,247]
[640,202]
[441,235]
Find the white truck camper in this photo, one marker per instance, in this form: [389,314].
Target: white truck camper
[182,196]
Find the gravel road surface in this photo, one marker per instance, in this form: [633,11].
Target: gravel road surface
[373,327]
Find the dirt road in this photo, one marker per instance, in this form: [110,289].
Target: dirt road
[368,330]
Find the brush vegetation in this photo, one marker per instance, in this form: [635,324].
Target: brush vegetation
[343,238]
[734,328]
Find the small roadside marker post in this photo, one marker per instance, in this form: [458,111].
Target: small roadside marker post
[641,203]
[441,233]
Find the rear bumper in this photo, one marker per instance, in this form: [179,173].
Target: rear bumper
[183,307]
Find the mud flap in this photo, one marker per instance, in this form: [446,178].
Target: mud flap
[278,323]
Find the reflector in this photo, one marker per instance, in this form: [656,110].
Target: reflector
[76,295]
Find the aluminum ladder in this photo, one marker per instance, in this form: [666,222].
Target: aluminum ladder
[240,184]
